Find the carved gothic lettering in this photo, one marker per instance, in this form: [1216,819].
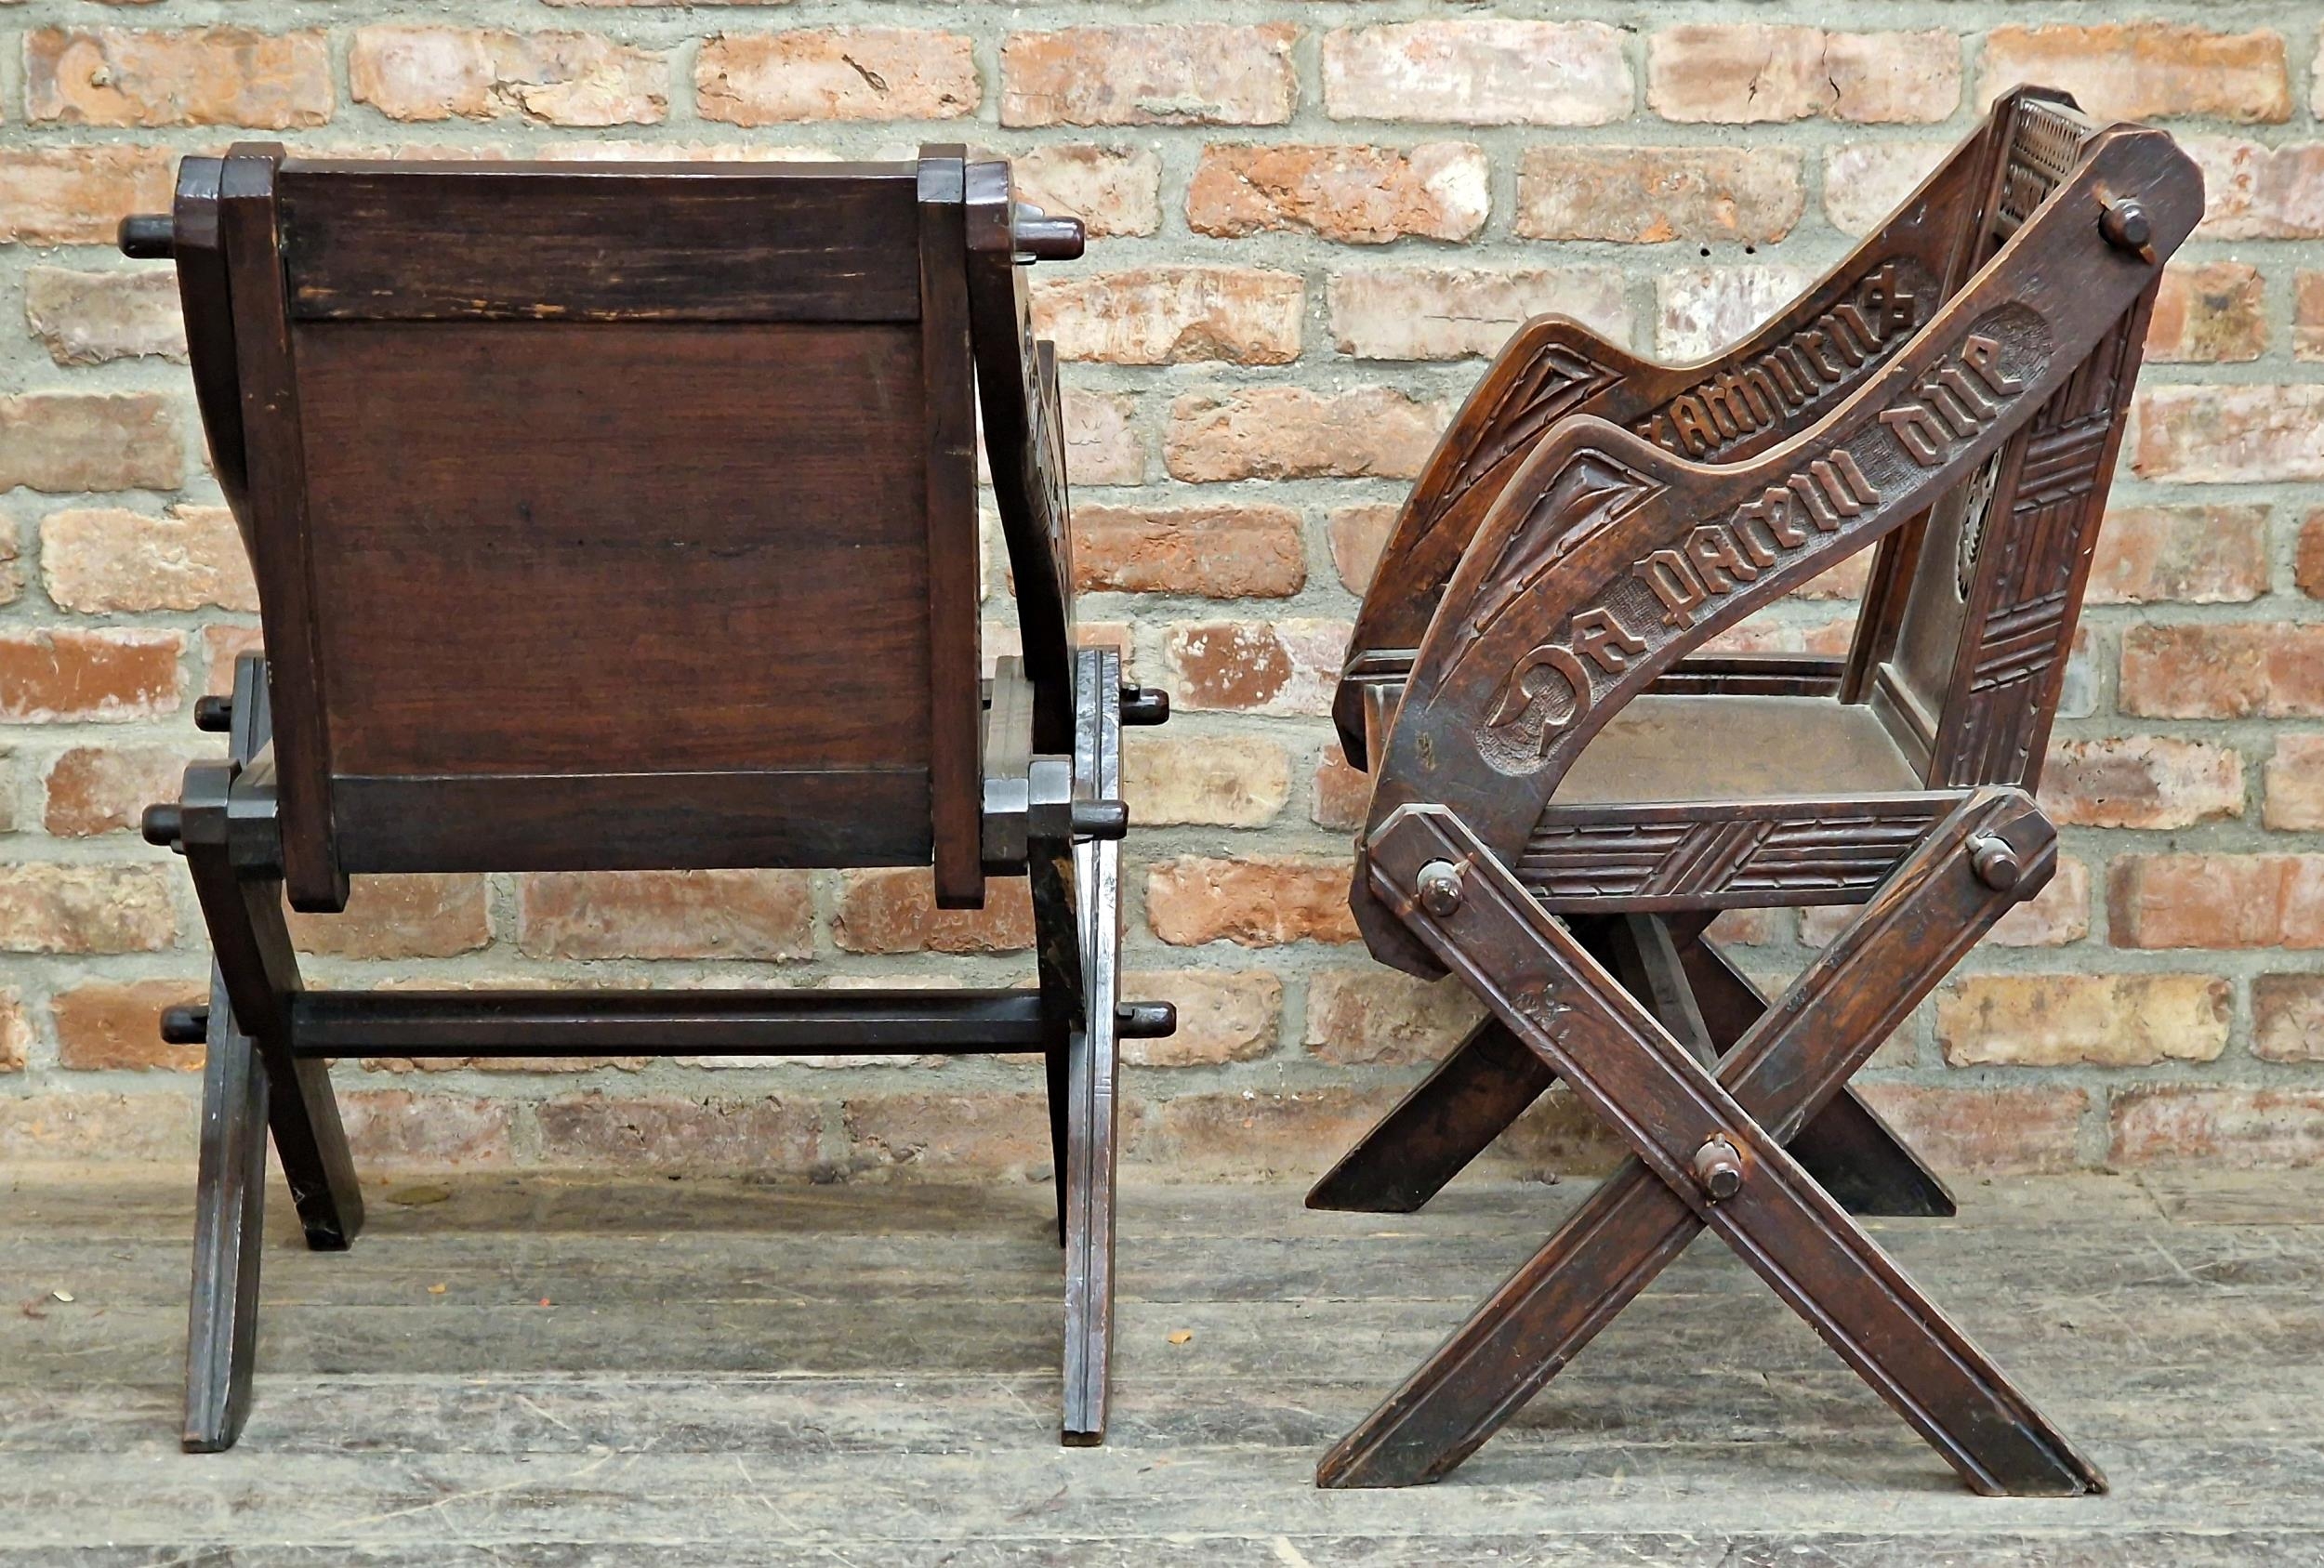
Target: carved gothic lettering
[1811,347]
[1673,582]
[1919,430]
[1731,422]
[1603,638]
[1981,354]
[1773,511]
[1712,549]
[1687,417]
[1522,694]
[1850,347]
[1964,390]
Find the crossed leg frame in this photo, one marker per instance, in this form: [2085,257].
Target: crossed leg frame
[1708,1149]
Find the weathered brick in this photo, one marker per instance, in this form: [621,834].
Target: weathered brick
[893,910]
[90,440]
[2288,1016]
[16,1033]
[665,915]
[107,559]
[473,74]
[1751,74]
[50,908]
[837,73]
[2307,316]
[1262,901]
[85,1128]
[1167,315]
[90,318]
[2308,566]
[1288,667]
[1361,195]
[397,1130]
[1246,1135]
[220,647]
[1222,1016]
[104,789]
[1297,432]
[2222,669]
[1378,1018]
[2067,1020]
[2216,900]
[682,1132]
[1700,311]
[2211,311]
[1864,181]
[2234,1128]
[1456,312]
[946,1134]
[2256,192]
[1112,190]
[2059,914]
[1200,73]
[1481,71]
[2192,555]
[62,676]
[2141,781]
[1102,445]
[429,915]
[2229,434]
[110,1026]
[2294,784]
[1357,535]
[2144,70]
[1646,195]
[1986,1131]
[76,195]
[204,77]
[1221,551]
[1212,781]
[1343,794]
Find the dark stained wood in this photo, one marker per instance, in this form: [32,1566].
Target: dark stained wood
[700,242]
[205,299]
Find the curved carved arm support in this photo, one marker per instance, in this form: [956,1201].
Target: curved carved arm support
[1607,558]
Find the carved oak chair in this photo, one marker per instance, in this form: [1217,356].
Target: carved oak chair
[620,516]
[1567,791]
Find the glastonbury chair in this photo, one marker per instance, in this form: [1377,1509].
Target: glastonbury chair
[624,517]
[1567,791]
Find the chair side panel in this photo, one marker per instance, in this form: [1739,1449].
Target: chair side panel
[558,549]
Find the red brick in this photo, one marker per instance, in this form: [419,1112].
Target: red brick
[2294,781]
[1261,900]
[1343,794]
[2216,900]
[2141,781]
[108,1026]
[76,195]
[943,1135]
[2288,1016]
[109,559]
[1647,195]
[665,915]
[1700,311]
[94,789]
[1169,315]
[92,318]
[2056,915]
[1296,432]
[1222,1016]
[2210,313]
[2307,316]
[1479,71]
[84,908]
[1456,312]
[1751,74]
[16,1033]
[53,676]
[2144,70]
[2255,192]
[1102,445]
[220,647]
[2192,555]
[85,1128]
[2222,669]
[1289,667]
[90,440]
[1357,535]
[555,79]
[204,77]
[397,1130]
[1112,190]
[893,910]
[1361,195]
[1993,1132]
[1378,1018]
[1221,551]
[1149,74]
[1865,181]
[1248,1134]
[2308,566]
[2224,1128]
[837,73]
[1217,782]
[682,1132]
[2082,1019]
[431,914]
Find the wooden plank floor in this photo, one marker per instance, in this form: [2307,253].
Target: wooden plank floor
[555,1373]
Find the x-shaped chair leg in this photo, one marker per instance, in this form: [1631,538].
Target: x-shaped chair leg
[1709,1151]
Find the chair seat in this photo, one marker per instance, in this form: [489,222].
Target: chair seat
[1725,747]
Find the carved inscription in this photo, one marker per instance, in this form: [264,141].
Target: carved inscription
[1829,352]
[1757,534]
[1953,403]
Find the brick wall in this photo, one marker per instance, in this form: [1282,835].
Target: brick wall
[1311,222]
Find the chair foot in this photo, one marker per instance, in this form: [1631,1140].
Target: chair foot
[1434,1132]
[230,1223]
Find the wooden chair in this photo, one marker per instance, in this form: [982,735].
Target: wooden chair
[618,517]
[1567,791]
